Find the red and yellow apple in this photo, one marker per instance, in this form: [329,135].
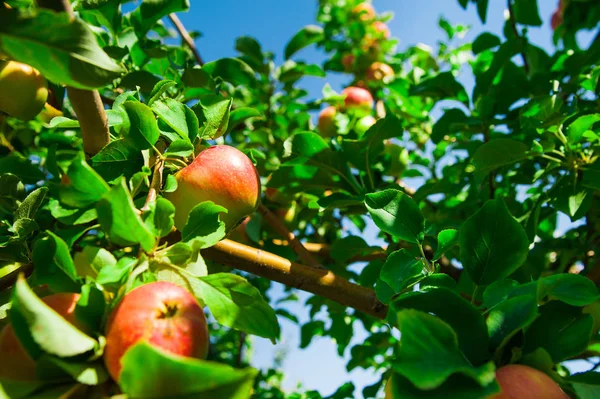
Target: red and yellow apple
[16,364]
[381,29]
[357,99]
[221,174]
[379,71]
[518,381]
[364,11]
[161,314]
[23,90]
[326,123]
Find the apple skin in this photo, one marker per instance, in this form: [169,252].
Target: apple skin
[358,99]
[221,174]
[379,71]
[364,11]
[16,363]
[23,90]
[381,29]
[518,381]
[348,62]
[162,314]
[364,124]
[326,122]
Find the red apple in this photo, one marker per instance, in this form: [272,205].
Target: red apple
[379,71]
[518,381]
[223,175]
[326,122]
[381,29]
[16,364]
[162,314]
[364,11]
[23,90]
[348,62]
[358,99]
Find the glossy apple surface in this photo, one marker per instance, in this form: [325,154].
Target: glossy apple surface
[23,90]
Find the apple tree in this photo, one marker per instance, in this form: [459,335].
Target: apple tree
[150,198]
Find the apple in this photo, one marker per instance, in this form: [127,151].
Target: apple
[16,363]
[23,90]
[379,71]
[364,124]
[518,381]
[49,113]
[221,174]
[162,314]
[358,99]
[364,11]
[381,29]
[326,122]
[348,62]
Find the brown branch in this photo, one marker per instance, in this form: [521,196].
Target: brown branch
[186,37]
[155,184]
[87,104]
[295,244]
[513,24]
[319,282]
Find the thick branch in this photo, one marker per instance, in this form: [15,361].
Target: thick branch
[296,245]
[319,282]
[186,37]
[513,24]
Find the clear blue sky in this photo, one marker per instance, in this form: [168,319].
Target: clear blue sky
[273,23]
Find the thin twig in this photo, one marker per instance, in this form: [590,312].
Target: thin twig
[293,241]
[155,185]
[513,24]
[186,37]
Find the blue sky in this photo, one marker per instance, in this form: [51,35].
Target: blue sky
[273,23]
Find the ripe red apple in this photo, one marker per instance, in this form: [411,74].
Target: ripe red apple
[379,71]
[16,364]
[364,11]
[326,122]
[23,90]
[358,99]
[348,62]
[223,175]
[518,381]
[162,314]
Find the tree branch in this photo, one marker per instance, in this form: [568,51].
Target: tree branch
[319,282]
[296,245]
[513,24]
[186,37]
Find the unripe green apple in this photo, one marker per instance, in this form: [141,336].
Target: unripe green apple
[518,381]
[364,11]
[49,112]
[326,122]
[15,363]
[23,90]
[221,174]
[162,314]
[364,124]
[358,100]
[379,71]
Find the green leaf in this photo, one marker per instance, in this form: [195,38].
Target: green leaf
[30,205]
[118,217]
[446,240]
[118,158]
[180,148]
[178,117]
[397,214]
[232,70]
[401,269]
[305,37]
[562,330]
[143,129]
[580,125]
[81,186]
[43,328]
[216,111]
[84,372]
[429,353]
[239,115]
[492,243]
[526,12]
[203,224]
[111,274]
[159,89]
[455,387]
[497,153]
[150,12]
[572,289]
[442,86]
[591,176]
[466,321]
[77,59]
[91,260]
[22,167]
[586,385]
[485,41]
[149,372]
[509,317]
[53,264]
[159,219]
[237,304]
[498,291]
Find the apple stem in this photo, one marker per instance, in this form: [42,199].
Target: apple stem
[293,241]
